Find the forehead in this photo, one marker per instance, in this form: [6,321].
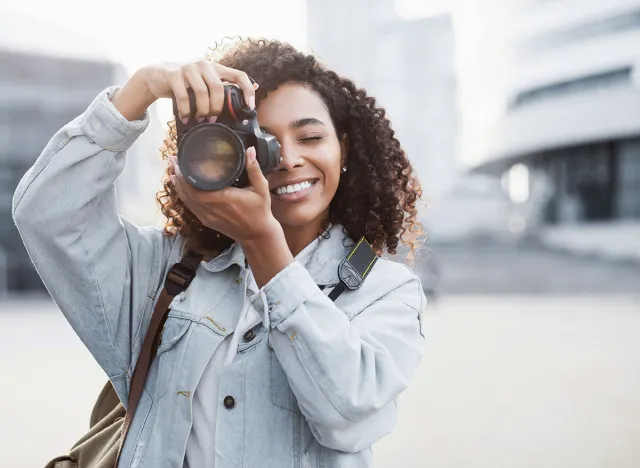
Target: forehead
[290,102]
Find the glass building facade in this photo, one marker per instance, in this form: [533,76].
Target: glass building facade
[38,95]
[593,183]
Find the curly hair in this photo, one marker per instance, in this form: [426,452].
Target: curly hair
[376,197]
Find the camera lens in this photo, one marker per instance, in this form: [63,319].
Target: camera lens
[211,157]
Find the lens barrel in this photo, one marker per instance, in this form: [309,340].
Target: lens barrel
[211,156]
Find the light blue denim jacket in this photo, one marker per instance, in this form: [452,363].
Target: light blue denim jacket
[315,389]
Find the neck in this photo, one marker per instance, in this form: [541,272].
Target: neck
[298,237]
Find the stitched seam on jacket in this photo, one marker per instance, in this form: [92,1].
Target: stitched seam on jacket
[32,177]
[304,353]
[298,346]
[130,126]
[104,313]
[422,302]
[150,300]
[175,406]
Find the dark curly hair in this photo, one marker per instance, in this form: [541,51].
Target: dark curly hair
[377,195]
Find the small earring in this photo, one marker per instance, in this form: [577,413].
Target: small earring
[344,169]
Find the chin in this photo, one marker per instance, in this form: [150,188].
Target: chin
[294,220]
[296,216]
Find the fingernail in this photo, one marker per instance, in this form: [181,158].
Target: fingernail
[201,119]
[213,118]
[251,152]
[173,179]
[252,102]
[255,86]
[185,120]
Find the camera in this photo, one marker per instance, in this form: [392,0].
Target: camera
[211,156]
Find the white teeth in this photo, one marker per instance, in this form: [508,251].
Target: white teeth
[293,188]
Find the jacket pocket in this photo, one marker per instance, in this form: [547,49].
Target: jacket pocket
[281,394]
[174,329]
[173,334]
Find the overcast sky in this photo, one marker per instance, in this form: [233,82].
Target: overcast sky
[137,32]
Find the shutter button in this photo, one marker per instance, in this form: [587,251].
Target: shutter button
[229,402]
[250,335]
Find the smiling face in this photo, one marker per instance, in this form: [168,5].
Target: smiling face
[304,184]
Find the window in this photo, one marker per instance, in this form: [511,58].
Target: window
[583,177]
[611,79]
[628,183]
[616,24]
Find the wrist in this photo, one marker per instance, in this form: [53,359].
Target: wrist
[267,255]
[133,99]
[270,237]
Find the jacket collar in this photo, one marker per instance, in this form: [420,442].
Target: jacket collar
[324,256]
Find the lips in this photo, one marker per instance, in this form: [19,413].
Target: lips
[294,186]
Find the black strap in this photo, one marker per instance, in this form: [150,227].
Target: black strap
[354,269]
[337,291]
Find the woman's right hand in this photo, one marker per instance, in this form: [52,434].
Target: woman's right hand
[168,80]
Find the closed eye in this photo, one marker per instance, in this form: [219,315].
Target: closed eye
[313,138]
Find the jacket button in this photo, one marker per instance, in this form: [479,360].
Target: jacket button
[250,335]
[229,402]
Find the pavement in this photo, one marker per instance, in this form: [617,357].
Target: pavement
[486,268]
[511,377]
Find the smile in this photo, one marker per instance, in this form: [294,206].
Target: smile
[294,188]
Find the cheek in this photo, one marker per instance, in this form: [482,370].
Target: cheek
[330,166]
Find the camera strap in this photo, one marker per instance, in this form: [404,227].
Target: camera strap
[354,269]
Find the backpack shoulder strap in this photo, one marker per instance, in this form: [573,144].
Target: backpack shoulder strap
[178,279]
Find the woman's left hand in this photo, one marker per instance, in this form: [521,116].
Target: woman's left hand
[243,214]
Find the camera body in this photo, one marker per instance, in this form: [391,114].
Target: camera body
[212,156]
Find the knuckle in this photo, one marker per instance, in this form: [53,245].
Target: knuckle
[217,85]
[200,90]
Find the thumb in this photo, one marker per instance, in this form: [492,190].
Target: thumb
[256,178]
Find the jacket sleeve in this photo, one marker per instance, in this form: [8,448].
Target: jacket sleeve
[347,372]
[101,270]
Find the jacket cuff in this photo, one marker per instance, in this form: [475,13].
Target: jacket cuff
[287,290]
[103,124]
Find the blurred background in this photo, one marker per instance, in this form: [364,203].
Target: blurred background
[522,119]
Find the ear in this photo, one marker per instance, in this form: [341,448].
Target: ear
[344,150]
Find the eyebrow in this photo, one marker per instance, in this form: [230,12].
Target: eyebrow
[298,123]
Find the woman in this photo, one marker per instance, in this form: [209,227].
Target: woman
[256,365]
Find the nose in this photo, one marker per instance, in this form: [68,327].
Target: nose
[291,158]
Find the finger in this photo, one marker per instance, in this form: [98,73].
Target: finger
[216,90]
[176,79]
[256,178]
[189,192]
[242,80]
[194,77]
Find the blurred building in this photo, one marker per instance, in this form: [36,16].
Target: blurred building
[570,130]
[407,65]
[48,77]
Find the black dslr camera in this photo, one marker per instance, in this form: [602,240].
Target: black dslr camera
[211,156]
